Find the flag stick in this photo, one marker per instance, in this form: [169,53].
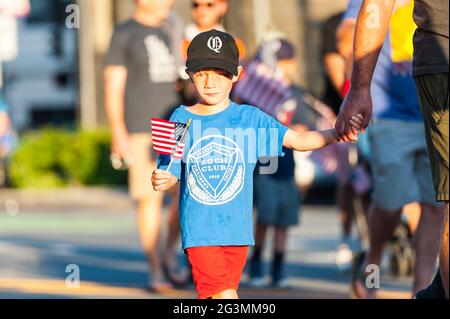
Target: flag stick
[176,146]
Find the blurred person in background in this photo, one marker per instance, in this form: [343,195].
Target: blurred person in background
[18,8]
[4,118]
[398,151]
[333,63]
[277,198]
[5,138]
[335,87]
[140,74]
[9,10]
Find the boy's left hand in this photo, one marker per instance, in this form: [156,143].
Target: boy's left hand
[356,125]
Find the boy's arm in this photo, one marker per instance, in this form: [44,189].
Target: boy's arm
[309,141]
[312,140]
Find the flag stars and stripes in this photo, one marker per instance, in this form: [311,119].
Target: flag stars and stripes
[167,137]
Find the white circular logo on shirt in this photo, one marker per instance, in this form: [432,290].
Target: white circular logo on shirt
[215,170]
[215,44]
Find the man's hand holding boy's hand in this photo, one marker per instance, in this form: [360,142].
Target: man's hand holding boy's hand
[355,124]
[163,180]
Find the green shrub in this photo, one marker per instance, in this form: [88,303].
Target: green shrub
[56,157]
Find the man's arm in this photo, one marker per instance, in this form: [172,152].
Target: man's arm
[371,28]
[115,78]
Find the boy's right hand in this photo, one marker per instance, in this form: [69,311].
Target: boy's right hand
[163,180]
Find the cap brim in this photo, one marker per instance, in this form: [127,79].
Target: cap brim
[213,63]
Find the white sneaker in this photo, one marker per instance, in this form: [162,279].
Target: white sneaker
[282,283]
[344,258]
[258,282]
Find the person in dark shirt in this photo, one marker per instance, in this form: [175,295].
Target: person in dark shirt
[333,63]
[277,197]
[140,74]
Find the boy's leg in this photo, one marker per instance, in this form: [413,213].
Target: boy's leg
[226,294]
[217,270]
[280,239]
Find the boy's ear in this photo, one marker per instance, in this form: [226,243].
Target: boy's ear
[236,77]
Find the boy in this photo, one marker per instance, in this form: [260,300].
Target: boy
[222,147]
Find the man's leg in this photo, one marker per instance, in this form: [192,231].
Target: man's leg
[381,227]
[149,225]
[426,244]
[432,90]
[149,205]
[344,197]
[443,256]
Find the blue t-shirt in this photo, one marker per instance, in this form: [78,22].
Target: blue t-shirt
[216,172]
[393,88]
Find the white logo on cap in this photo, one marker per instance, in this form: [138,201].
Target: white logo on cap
[215,44]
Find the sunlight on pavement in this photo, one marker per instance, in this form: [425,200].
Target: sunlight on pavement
[59,289]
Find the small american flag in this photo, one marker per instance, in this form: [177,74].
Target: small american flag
[168,137]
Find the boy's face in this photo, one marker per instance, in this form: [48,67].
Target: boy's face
[213,85]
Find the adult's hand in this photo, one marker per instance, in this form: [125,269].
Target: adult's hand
[357,101]
[119,144]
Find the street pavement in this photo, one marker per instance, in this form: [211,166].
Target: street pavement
[41,248]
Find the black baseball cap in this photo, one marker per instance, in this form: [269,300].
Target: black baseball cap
[213,49]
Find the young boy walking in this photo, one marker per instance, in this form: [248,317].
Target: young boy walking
[221,149]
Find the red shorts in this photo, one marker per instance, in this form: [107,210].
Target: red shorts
[216,268]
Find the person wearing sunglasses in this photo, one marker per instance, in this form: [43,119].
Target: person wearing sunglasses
[206,15]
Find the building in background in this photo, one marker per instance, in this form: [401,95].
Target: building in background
[40,84]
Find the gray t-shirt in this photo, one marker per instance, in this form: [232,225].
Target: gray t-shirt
[431,37]
[147,53]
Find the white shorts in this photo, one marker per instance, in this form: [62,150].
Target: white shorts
[400,164]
